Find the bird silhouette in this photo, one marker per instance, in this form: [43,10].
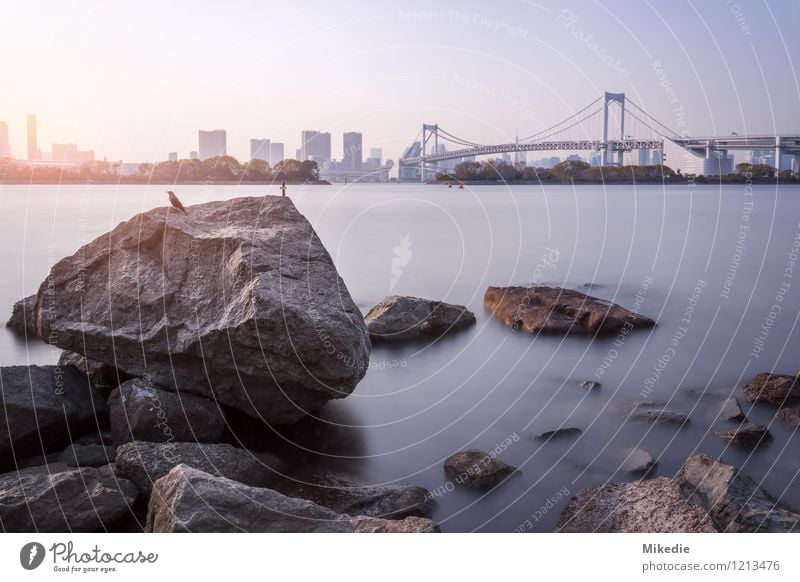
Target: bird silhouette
[175,202]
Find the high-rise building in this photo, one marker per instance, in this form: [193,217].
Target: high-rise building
[275,153]
[33,144]
[5,148]
[644,157]
[316,146]
[172,156]
[352,144]
[376,153]
[69,152]
[212,143]
[260,150]
[194,155]
[594,159]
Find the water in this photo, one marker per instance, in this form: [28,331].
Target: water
[479,388]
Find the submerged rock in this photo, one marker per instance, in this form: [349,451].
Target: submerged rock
[61,499]
[402,318]
[659,416]
[144,463]
[555,310]
[746,435]
[476,469]
[559,433]
[21,320]
[636,461]
[790,416]
[590,385]
[189,500]
[239,301]
[141,411]
[731,410]
[42,406]
[777,389]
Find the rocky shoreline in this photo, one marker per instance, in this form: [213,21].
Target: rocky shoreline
[179,330]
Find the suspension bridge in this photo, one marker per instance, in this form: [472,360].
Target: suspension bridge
[706,155]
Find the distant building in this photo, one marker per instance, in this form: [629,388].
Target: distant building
[5,148]
[260,149]
[315,146]
[33,144]
[172,156]
[594,159]
[376,153]
[657,157]
[298,154]
[194,155]
[212,143]
[690,162]
[644,157]
[69,153]
[352,143]
[275,153]
[573,158]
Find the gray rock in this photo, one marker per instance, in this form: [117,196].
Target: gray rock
[649,506]
[21,320]
[790,416]
[144,463]
[61,499]
[189,500]
[559,433]
[476,469]
[104,377]
[87,455]
[733,500]
[660,416]
[777,389]
[731,410]
[402,318]
[636,461]
[746,435]
[144,412]
[41,407]
[239,302]
[344,495]
[590,385]
[555,310]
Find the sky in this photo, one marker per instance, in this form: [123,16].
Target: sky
[136,80]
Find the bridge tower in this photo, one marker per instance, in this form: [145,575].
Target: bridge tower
[429,132]
[613,98]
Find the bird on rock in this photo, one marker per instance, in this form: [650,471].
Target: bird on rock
[175,202]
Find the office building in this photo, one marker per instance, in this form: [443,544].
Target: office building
[259,149]
[5,148]
[212,143]
[644,157]
[69,153]
[352,150]
[194,155]
[275,153]
[376,153]
[315,146]
[172,156]
[33,144]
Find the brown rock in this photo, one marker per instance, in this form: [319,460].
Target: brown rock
[476,469]
[790,416]
[777,389]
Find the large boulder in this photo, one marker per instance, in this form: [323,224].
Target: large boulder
[77,455]
[144,463]
[402,318]
[21,320]
[60,499]
[141,411]
[733,500]
[777,389]
[555,310]
[189,500]
[102,376]
[41,407]
[237,301]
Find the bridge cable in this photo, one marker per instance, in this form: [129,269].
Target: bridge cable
[652,119]
[562,121]
[578,122]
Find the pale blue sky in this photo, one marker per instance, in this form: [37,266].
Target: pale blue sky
[135,80]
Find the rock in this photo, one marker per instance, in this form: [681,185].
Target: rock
[189,500]
[746,435]
[731,410]
[648,506]
[41,407]
[87,455]
[637,461]
[733,500]
[476,469]
[239,302]
[659,416]
[590,385]
[559,433]
[102,437]
[104,377]
[144,412]
[343,495]
[777,389]
[21,320]
[402,318]
[790,416]
[144,463]
[554,310]
[61,499]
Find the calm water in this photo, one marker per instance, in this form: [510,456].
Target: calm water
[419,403]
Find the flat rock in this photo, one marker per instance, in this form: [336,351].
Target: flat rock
[403,318]
[62,499]
[555,310]
[189,500]
[746,435]
[731,410]
[76,455]
[239,302]
[144,463]
[21,320]
[41,407]
[144,412]
[560,433]
[477,469]
[648,506]
[733,500]
[659,416]
[777,389]
[790,416]
[343,495]
[636,461]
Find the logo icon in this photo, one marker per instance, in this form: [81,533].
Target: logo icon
[31,555]
[402,255]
